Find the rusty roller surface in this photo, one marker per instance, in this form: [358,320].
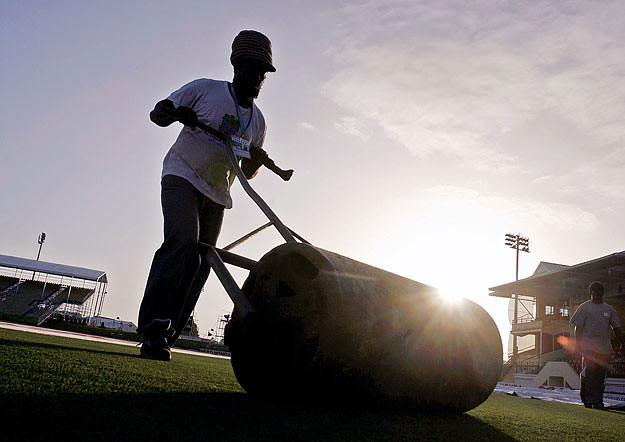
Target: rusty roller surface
[332,328]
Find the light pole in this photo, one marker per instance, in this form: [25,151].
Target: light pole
[519,243]
[40,241]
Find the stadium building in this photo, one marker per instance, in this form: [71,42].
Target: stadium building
[113,324]
[540,309]
[33,291]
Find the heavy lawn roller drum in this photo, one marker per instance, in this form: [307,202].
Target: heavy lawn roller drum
[312,325]
[330,329]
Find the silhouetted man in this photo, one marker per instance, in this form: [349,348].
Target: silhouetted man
[195,186]
[593,322]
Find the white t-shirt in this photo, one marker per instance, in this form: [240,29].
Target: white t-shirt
[596,322]
[201,158]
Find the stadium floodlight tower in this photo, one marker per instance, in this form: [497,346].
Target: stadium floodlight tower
[40,241]
[519,243]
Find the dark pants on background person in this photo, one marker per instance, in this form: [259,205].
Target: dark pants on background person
[178,270]
[594,371]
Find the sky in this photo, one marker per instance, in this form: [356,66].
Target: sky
[421,132]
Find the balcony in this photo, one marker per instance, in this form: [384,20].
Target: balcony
[551,324]
[526,325]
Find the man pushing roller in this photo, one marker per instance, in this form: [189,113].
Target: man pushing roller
[195,185]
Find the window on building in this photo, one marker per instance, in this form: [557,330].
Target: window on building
[564,311]
[549,310]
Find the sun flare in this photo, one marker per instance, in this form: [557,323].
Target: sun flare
[451,296]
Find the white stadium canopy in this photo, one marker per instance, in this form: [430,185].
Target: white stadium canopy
[13,262]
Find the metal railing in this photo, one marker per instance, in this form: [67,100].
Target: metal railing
[547,318]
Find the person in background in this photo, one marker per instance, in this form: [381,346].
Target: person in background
[594,320]
[195,185]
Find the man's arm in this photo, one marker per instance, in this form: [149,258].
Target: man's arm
[619,336]
[577,335]
[165,113]
[578,320]
[250,166]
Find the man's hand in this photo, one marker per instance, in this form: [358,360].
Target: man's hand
[258,155]
[165,113]
[187,116]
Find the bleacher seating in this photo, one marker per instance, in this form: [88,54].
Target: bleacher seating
[78,295]
[15,304]
[7,281]
[36,299]
[31,291]
[22,298]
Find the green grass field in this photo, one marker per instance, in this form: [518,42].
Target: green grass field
[65,389]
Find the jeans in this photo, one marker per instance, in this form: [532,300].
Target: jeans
[178,270]
[594,370]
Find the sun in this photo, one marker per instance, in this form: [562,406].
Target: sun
[451,296]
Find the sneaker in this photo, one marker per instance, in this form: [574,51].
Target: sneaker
[154,343]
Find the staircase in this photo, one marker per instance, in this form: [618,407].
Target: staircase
[43,309]
[507,369]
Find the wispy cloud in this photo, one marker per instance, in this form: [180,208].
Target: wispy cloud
[524,212]
[541,179]
[453,77]
[352,126]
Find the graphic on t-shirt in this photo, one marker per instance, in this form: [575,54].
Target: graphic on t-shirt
[229,124]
